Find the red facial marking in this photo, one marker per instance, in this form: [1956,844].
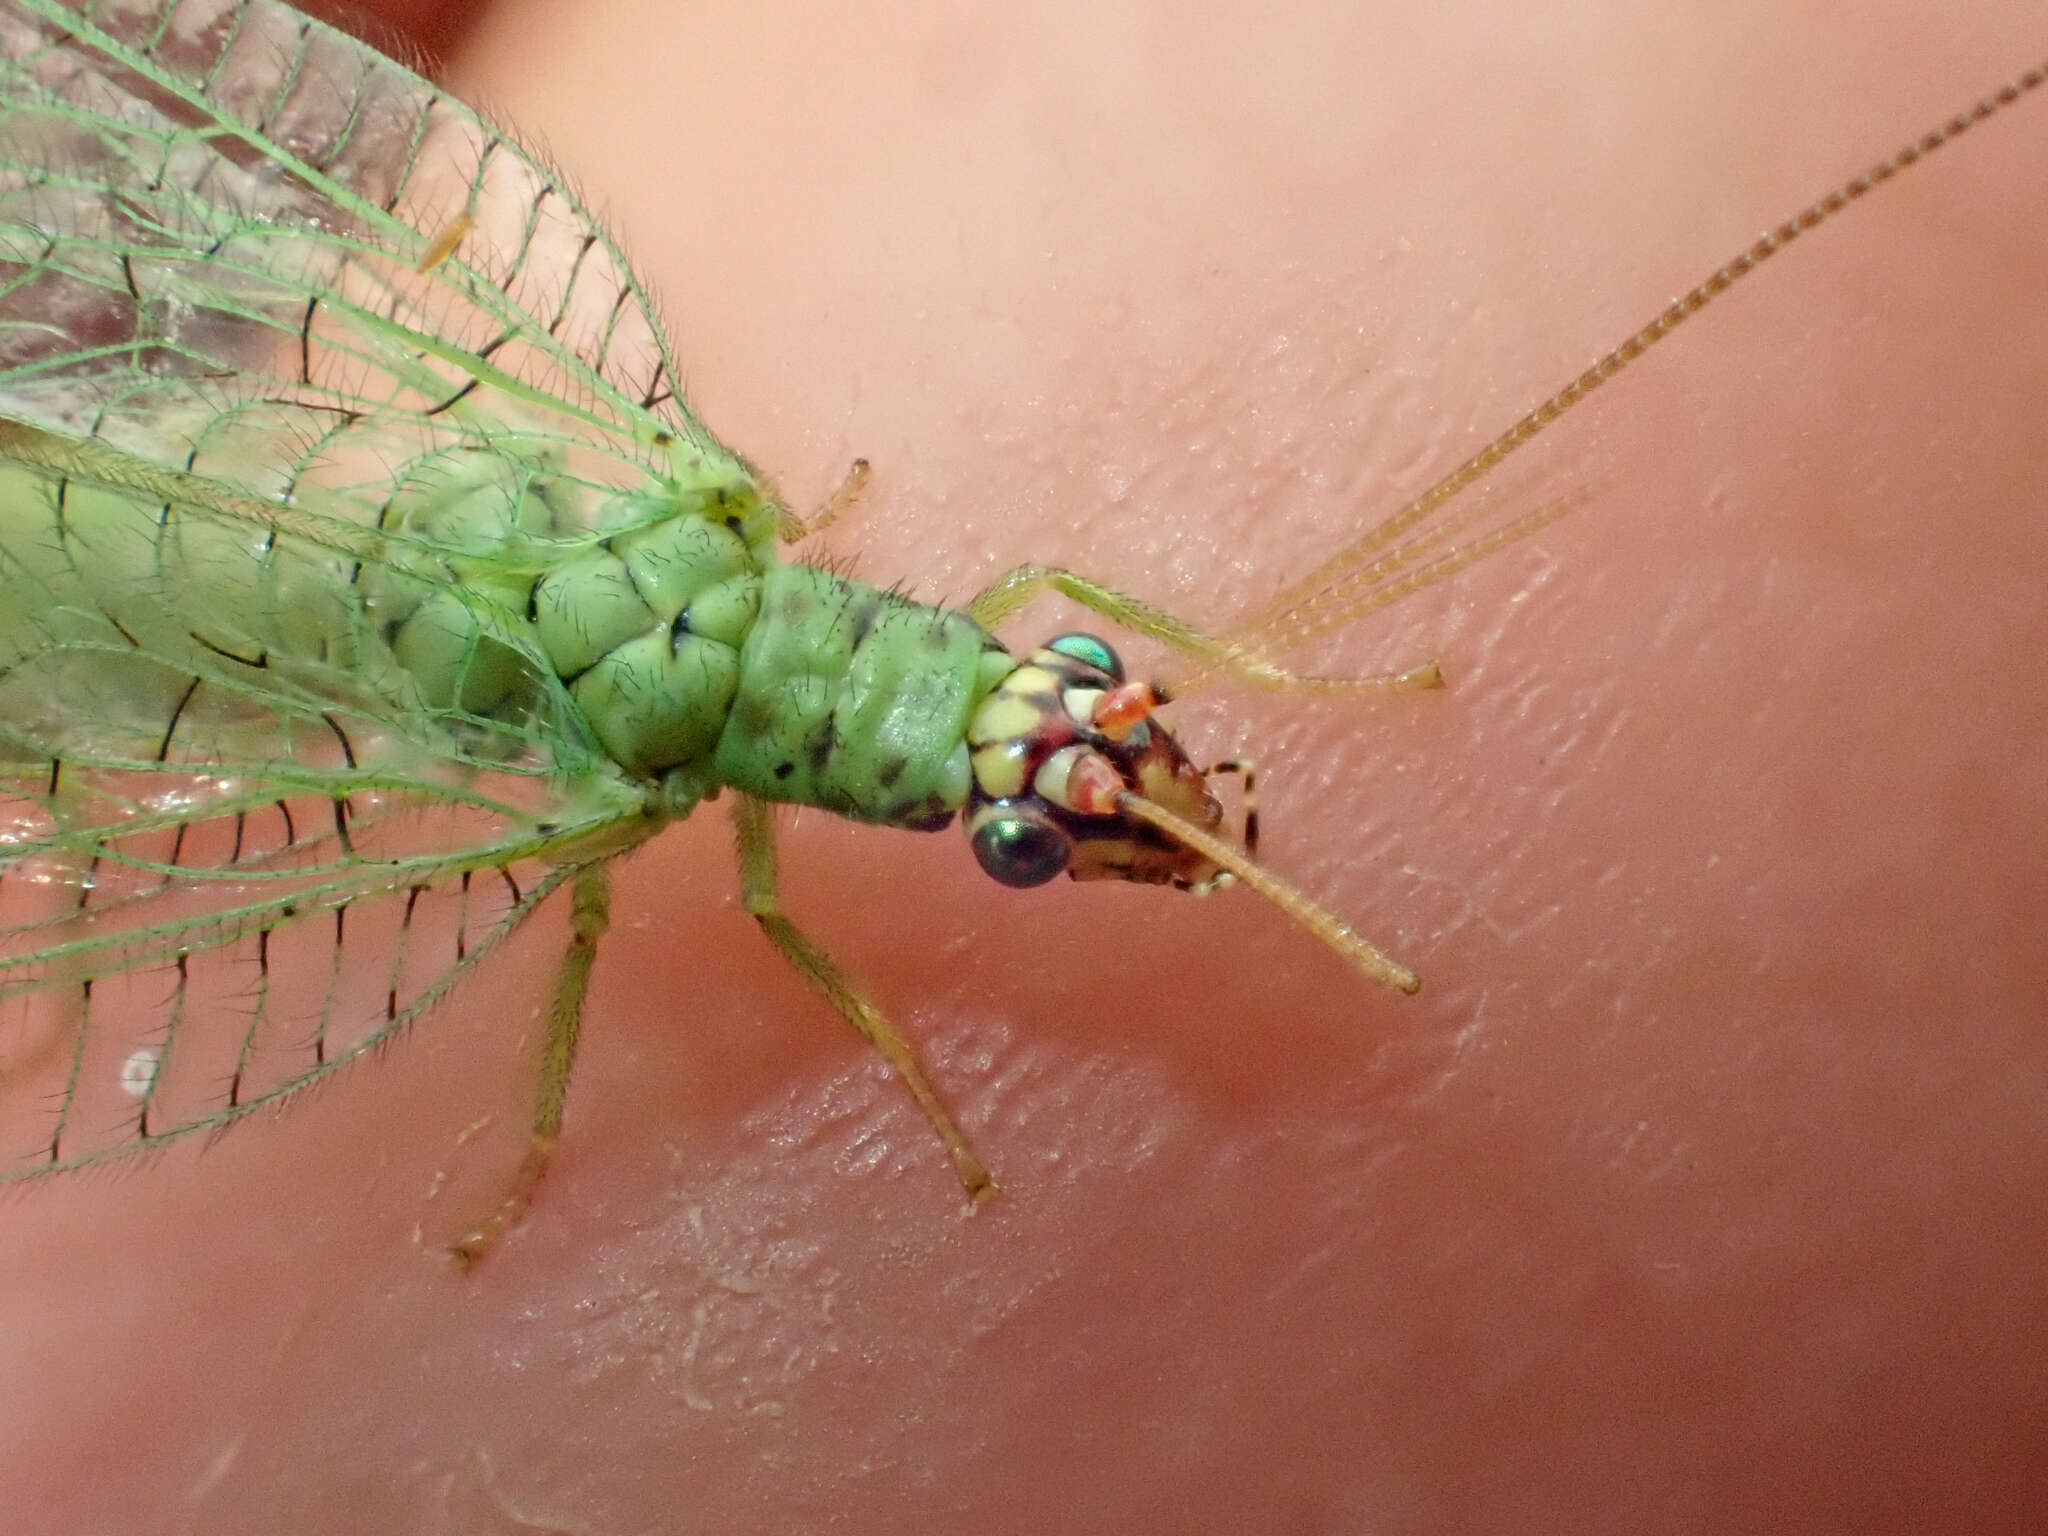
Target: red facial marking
[1119,710]
[1093,786]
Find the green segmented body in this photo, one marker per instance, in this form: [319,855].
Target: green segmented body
[679,651]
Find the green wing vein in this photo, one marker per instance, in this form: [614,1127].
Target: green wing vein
[306,373]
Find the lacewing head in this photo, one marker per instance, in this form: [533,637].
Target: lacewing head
[1057,746]
[1073,774]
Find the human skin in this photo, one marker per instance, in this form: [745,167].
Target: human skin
[1701,1188]
[432,28]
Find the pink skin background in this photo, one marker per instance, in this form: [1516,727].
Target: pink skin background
[1704,1186]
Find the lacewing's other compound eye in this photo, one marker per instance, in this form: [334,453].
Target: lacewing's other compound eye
[1089,650]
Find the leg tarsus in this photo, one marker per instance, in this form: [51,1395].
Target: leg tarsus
[483,1237]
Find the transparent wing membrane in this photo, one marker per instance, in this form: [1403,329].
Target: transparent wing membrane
[243,962]
[222,936]
[235,241]
[305,372]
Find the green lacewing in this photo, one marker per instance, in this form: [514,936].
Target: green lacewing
[368,582]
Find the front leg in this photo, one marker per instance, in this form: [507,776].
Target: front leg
[754,830]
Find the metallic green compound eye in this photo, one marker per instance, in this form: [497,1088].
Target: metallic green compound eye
[1020,851]
[1086,648]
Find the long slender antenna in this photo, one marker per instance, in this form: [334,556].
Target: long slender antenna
[1293,613]
[1330,929]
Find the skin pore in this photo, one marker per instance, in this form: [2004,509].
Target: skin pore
[1700,1186]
